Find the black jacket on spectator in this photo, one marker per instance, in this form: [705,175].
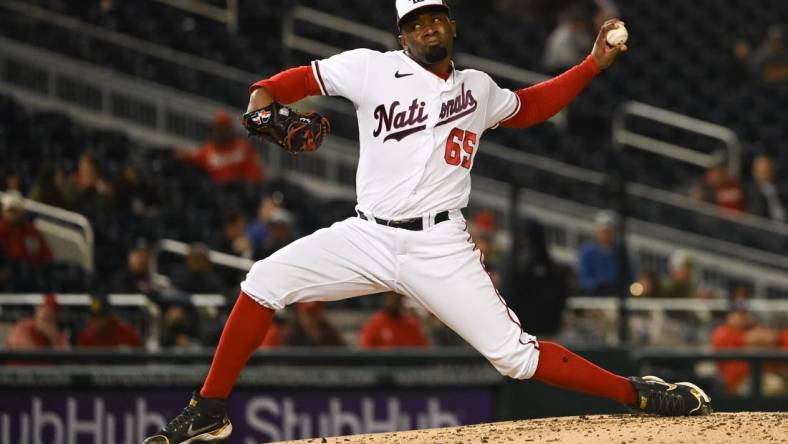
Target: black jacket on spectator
[197,283]
[758,204]
[534,286]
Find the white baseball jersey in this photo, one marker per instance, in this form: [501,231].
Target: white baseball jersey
[418,133]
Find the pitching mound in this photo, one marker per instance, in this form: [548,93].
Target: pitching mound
[733,428]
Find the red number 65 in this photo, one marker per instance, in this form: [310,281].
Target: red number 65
[459,147]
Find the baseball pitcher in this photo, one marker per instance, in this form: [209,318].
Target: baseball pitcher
[420,125]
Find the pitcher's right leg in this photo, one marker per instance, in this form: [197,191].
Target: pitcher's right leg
[351,258]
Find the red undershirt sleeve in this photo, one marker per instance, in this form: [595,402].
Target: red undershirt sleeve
[544,100]
[291,85]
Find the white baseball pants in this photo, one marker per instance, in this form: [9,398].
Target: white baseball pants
[438,266]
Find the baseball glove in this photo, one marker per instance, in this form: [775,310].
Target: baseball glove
[293,131]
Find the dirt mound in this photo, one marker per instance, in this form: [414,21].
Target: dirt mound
[733,428]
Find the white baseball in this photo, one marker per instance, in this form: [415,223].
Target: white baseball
[617,36]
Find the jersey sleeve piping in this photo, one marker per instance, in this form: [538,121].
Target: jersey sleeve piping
[320,82]
[512,114]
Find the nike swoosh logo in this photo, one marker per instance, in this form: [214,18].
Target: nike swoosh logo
[399,76]
[192,432]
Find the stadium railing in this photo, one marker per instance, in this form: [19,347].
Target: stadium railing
[182,249]
[622,137]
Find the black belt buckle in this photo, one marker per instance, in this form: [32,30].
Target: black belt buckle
[415,224]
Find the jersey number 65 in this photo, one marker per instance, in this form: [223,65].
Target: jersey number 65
[459,147]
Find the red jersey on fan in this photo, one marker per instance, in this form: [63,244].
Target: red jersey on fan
[24,243]
[235,161]
[115,333]
[227,157]
[386,331]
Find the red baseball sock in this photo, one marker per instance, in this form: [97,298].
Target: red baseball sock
[562,368]
[242,334]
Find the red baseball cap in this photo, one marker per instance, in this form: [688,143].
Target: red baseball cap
[406,7]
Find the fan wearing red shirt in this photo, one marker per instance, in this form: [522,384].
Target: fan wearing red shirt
[20,239]
[40,331]
[726,191]
[741,330]
[226,156]
[392,326]
[105,329]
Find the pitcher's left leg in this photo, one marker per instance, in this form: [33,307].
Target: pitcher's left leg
[442,270]
[448,278]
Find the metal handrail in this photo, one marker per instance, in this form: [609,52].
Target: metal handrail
[182,249]
[623,137]
[612,303]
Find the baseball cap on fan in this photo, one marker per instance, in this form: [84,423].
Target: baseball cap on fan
[406,7]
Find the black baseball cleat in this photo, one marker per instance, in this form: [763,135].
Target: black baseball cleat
[203,420]
[663,398]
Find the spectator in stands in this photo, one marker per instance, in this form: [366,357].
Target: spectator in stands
[392,326]
[680,284]
[40,331]
[570,40]
[226,156]
[741,330]
[105,329]
[310,328]
[280,232]
[134,193]
[87,191]
[233,238]
[765,197]
[257,230]
[197,276]
[724,189]
[770,60]
[136,277]
[535,287]
[48,188]
[21,240]
[741,66]
[599,266]
[179,328]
